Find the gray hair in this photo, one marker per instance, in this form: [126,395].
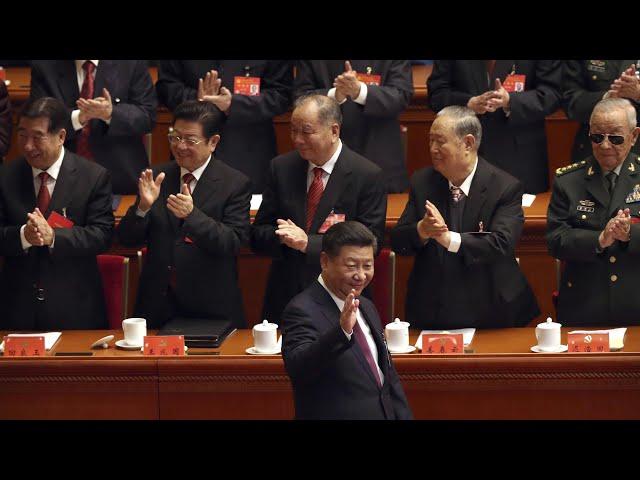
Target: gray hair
[609,105]
[328,108]
[465,122]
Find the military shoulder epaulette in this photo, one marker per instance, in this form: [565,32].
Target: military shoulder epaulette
[571,168]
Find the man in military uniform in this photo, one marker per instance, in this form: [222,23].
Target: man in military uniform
[586,82]
[591,223]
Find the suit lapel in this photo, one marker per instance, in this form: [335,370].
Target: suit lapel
[106,77]
[26,189]
[171,186]
[65,184]
[298,185]
[331,312]
[338,180]
[503,68]
[206,186]
[624,186]
[477,197]
[68,82]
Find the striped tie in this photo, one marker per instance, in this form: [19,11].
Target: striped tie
[313,196]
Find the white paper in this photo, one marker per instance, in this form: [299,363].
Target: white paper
[467,335]
[50,338]
[616,335]
[527,199]
[256,200]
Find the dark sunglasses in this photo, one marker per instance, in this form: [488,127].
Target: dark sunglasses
[598,138]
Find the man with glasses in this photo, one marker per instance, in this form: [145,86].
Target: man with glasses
[193,214]
[592,223]
[321,183]
[55,217]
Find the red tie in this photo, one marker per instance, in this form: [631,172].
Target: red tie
[44,197]
[188,178]
[87,92]
[313,195]
[364,346]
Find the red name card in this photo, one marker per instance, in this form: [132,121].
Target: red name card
[369,79]
[24,346]
[56,220]
[442,343]
[246,86]
[514,83]
[588,343]
[169,345]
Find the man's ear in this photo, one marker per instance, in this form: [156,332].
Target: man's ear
[213,142]
[324,260]
[469,141]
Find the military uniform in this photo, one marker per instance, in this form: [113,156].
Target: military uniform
[584,83]
[598,287]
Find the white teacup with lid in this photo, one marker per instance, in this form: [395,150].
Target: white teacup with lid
[397,335]
[135,329]
[548,335]
[265,337]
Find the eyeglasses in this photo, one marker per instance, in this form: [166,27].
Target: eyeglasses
[598,138]
[39,139]
[175,139]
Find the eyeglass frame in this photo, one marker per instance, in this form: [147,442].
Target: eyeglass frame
[608,137]
[171,137]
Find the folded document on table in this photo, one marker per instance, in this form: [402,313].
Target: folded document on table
[616,336]
[467,335]
[50,338]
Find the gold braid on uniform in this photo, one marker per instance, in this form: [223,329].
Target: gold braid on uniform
[570,168]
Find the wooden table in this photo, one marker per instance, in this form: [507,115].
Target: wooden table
[501,379]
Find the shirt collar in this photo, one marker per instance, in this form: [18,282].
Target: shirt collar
[466,185]
[53,170]
[328,167]
[197,173]
[79,63]
[339,303]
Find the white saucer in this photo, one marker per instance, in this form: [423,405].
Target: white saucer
[253,351]
[407,349]
[126,346]
[561,348]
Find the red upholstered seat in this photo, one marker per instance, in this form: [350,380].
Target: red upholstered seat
[114,270]
[383,284]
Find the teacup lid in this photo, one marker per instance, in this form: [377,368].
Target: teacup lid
[397,325]
[265,326]
[549,324]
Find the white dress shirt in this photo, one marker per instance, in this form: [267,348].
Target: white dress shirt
[327,168]
[456,239]
[54,172]
[363,325]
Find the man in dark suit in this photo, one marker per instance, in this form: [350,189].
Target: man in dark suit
[249,92]
[585,83]
[50,278]
[5,120]
[593,223]
[112,104]
[321,183]
[372,94]
[512,99]
[333,344]
[194,217]
[465,273]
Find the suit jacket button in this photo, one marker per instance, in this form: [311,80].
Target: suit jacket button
[584,217]
[612,259]
[614,278]
[569,284]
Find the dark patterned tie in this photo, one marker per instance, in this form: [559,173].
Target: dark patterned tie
[44,197]
[612,177]
[364,346]
[314,195]
[87,92]
[188,178]
[456,193]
